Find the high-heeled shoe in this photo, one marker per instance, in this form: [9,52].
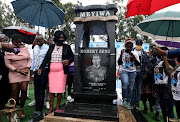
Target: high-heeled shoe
[22,115]
[145,110]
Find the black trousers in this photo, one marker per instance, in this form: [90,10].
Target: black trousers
[40,82]
[69,83]
[177,104]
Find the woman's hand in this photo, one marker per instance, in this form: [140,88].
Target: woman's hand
[66,62]
[122,51]
[130,53]
[22,72]
[39,71]
[26,70]
[134,58]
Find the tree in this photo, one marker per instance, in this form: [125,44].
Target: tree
[68,27]
[5,16]
[8,18]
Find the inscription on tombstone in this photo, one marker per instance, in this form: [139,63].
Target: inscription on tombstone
[94,70]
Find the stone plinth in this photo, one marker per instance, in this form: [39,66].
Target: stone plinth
[52,118]
[124,116]
[89,111]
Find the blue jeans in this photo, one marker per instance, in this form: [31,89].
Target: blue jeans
[137,88]
[128,79]
[40,82]
[165,100]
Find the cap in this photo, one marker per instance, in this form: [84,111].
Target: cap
[139,41]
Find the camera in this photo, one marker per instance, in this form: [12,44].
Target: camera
[154,51]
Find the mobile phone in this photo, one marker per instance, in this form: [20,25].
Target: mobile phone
[154,51]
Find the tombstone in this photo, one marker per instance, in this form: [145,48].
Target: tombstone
[94,68]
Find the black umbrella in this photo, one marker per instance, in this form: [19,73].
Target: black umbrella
[27,34]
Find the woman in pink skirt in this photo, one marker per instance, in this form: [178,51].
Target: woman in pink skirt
[58,57]
[19,74]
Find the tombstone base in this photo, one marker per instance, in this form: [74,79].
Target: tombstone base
[89,111]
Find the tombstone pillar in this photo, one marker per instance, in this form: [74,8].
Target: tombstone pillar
[94,68]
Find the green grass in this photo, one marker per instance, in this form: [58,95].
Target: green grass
[150,115]
[29,110]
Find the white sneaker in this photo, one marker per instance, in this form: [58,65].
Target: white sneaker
[47,105]
[69,98]
[33,103]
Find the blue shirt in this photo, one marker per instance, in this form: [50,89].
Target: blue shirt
[174,53]
[43,50]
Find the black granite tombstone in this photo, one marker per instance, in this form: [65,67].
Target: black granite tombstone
[94,73]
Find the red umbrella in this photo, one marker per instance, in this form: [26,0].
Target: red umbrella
[28,34]
[147,7]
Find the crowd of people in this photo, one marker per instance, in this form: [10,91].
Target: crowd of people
[49,65]
[152,77]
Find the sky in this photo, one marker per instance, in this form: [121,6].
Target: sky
[84,2]
[92,2]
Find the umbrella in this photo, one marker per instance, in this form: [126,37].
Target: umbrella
[163,26]
[169,43]
[28,34]
[38,12]
[147,7]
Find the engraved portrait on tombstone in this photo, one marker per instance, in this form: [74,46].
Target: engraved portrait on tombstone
[96,72]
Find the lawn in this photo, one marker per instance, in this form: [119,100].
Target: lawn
[29,110]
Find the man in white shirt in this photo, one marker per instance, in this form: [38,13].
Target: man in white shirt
[40,81]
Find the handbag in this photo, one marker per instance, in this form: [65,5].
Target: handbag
[71,70]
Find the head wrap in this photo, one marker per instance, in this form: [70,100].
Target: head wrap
[128,40]
[57,35]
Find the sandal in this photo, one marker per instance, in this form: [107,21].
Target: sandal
[49,111]
[22,115]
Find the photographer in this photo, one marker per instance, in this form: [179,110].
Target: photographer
[174,53]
